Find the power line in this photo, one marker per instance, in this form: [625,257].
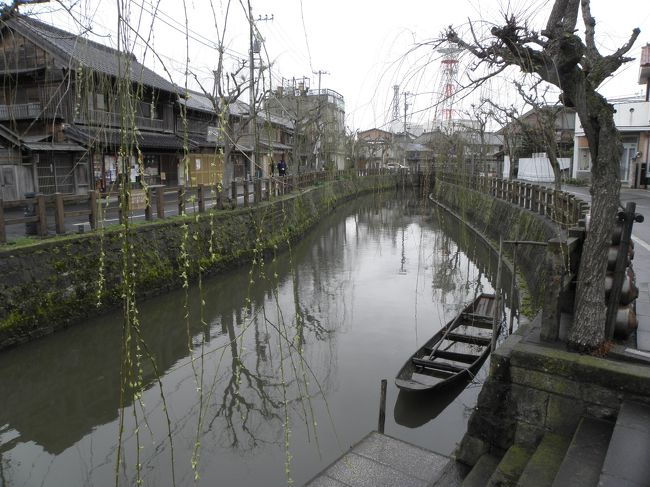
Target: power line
[304,29]
[197,37]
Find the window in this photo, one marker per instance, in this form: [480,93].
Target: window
[151,164]
[584,160]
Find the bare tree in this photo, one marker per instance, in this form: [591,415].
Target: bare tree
[535,130]
[559,56]
[504,116]
[543,129]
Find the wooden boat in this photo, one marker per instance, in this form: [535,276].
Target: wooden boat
[455,352]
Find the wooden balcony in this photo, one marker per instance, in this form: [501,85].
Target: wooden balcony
[21,111]
[99,118]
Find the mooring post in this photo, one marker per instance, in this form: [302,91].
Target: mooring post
[382,406]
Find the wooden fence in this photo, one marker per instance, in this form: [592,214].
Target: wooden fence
[90,210]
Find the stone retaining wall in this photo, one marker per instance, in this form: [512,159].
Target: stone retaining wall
[535,387]
[494,218]
[57,282]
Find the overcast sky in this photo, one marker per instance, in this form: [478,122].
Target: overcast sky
[362,46]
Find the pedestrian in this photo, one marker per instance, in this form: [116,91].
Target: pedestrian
[282,167]
[272,167]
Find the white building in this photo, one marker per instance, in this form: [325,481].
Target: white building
[632,118]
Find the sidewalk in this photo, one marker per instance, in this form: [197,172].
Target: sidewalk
[641,262]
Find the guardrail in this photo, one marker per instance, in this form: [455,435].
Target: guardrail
[561,207]
[44,215]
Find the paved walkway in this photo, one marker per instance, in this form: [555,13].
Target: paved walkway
[641,262]
[382,461]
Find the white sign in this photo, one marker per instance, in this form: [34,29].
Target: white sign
[213,134]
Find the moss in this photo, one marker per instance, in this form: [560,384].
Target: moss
[43,293]
[513,463]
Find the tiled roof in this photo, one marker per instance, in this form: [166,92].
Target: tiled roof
[200,102]
[74,51]
[112,138]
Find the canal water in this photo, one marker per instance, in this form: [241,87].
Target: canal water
[258,377]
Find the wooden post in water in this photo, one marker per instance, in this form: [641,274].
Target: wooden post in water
[382,407]
[495,327]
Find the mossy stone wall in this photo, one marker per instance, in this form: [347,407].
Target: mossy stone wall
[534,388]
[495,218]
[57,282]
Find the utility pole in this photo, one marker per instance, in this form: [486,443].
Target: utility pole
[405,136]
[319,73]
[254,49]
[405,108]
[396,114]
[318,118]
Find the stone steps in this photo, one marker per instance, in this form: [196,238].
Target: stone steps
[627,463]
[510,467]
[545,462]
[598,454]
[584,459]
[484,468]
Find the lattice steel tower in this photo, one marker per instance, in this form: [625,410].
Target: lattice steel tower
[448,83]
[396,114]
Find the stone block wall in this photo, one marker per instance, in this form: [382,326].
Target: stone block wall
[495,218]
[534,388]
[57,282]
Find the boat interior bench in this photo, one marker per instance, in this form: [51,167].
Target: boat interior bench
[481,321]
[431,364]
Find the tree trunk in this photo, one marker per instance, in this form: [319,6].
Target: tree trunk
[588,331]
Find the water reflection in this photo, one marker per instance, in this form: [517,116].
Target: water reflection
[415,410]
[269,366]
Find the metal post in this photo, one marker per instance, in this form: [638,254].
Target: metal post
[495,327]
[382,407]
[513,286]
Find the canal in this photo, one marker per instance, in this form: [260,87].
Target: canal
[258,376]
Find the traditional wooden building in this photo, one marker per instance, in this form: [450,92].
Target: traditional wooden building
[74,113]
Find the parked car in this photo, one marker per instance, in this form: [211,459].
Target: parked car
[395,166]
